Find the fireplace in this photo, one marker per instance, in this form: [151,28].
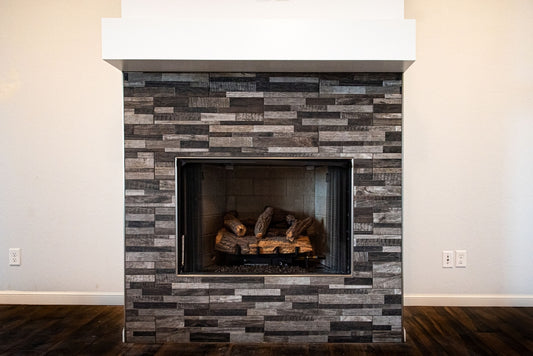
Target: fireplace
[264,216]
[263,169]
[325,146]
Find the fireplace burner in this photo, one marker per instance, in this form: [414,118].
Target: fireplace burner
[264,216]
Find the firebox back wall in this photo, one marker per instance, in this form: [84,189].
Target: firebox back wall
[349,115]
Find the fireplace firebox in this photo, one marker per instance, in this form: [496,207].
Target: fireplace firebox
[264,216]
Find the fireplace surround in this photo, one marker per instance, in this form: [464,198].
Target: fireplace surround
[302,116]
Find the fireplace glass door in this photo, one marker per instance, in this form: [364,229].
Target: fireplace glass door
[264,216]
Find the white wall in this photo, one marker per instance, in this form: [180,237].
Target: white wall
[469,152]
[468,155]
[264,9]
[61,152]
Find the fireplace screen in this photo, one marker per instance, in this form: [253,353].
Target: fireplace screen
[264,216]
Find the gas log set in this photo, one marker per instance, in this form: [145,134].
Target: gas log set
[275,232]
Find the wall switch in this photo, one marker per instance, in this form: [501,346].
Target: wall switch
[14,256]
[460,258]
[447,259]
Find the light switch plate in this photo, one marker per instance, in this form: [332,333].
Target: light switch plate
[460,258]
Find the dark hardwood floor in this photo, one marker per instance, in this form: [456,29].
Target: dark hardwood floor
[97,330]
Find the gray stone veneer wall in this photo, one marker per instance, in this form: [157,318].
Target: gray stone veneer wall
[354,115]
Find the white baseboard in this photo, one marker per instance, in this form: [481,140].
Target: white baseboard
[469,300]
[61,298]
[117,298]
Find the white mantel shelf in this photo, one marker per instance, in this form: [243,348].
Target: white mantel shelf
[260,45]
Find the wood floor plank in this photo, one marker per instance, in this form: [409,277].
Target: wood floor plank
[97,330]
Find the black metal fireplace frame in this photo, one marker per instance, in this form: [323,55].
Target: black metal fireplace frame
[182,216]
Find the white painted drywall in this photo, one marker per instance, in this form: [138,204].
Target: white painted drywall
[468,152]
[264,9]
[468,134]
[60,150]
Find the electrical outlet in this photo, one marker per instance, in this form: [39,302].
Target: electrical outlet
[14,256]
[447,259]
[460,258]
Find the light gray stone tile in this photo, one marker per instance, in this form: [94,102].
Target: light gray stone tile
[389,83]
[273,128]
[388,170]
[134,144]
[387,282]
[246,116]
[387,230]
[262,312]
[140,217]
[139,230]
[225,298]
[326,89]
[361,318]
[393,216]
[282,280]
[266,291]
[326,280]
[213,117]
[244,94]
[351,136]
[231,142]
[190,285]
[136,163]
[285,101]
[280,115]
[325,122]
[163,110]
[140,278]
[392,249]
[231,128]
[139,119]
[302,298]
[383,191]
[183,137]
[132,192]
[291,94]
[351,108]
[194,299]
[209,102]
[385,269]
[350,299]
[361,311]
[387,101]
[171,321]
[293,149]
[294,79]
[143,265]
[395,320]
[273,305]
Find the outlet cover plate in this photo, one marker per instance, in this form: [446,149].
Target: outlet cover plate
[14,256]
[447,259]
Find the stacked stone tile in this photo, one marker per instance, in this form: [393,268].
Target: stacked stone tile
[349,115]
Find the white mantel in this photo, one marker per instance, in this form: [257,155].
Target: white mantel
[260,35]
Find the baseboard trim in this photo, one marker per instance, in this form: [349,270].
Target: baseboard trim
[117,298]
[469,300]
[61,298]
